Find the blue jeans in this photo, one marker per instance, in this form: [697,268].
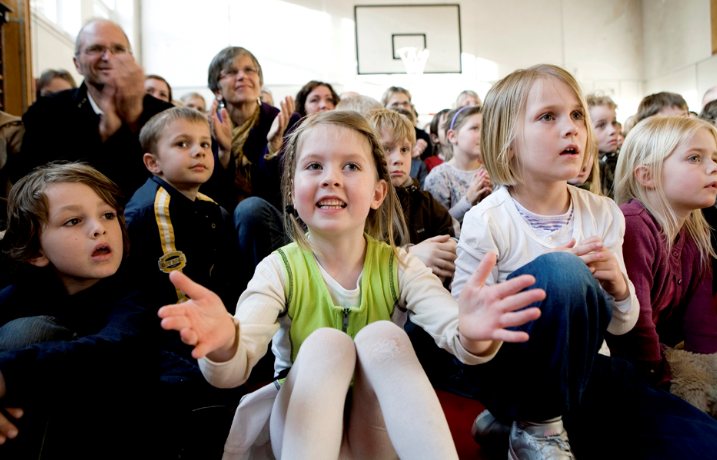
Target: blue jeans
[558,372]
[260,229]
[23,332]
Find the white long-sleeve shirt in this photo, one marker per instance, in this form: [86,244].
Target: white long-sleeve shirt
[496,226]
[257,317]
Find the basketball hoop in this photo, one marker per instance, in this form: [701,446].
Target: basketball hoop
[414,60]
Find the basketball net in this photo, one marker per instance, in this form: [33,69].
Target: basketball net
[414,60]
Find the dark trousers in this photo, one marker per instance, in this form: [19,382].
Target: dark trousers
[609,411]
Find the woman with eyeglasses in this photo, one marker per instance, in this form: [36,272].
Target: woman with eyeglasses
[248,135]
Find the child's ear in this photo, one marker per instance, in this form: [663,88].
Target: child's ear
[40,260]
[644,176]
[152,164]
[451,136]
[379,194]
[434,138]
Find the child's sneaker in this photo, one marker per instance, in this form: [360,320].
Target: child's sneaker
[543,441]
[491,434]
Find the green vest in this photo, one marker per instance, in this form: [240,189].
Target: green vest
[309,303]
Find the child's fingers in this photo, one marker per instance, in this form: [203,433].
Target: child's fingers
[442,272]
[439,238]
[585,248]
[479,276]
[514,285]
[175,323]
[592,258]
[7,429]
[510,336]
[520,317]
[521,299]
[16,412]
[193,290]
[565,247]
[201,350]
[189,336]
[172,310]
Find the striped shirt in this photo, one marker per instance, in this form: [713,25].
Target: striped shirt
[544,225]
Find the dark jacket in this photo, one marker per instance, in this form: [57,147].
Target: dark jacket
[421,134]
[94,386]
[263,178]
[425,217]
[202,231]
[63,126]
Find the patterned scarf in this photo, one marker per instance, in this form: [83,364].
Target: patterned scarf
[242,178]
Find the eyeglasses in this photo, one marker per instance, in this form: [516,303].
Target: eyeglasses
[233,72]
[100,50]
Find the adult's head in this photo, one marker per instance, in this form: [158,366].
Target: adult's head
[235,76]
[314,97]
[361,104]
[158,87]
[664,104]
[53,81]
[396,96]
[97,45]
[468,98]
[194,101]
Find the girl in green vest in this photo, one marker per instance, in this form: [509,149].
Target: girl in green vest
[348,383]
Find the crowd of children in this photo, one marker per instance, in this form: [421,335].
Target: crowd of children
[510,269]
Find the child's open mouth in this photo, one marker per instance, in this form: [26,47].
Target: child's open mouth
[101,252]
[331,204]
[569,151]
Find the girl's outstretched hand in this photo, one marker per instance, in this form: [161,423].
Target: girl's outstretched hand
[202,321]
[485,311]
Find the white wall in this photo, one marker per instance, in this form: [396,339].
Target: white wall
[600,41]
[53,46]
[678,51]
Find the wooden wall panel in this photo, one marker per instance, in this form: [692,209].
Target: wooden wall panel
[17,84]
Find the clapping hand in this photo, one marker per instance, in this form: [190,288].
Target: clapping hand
[278,126]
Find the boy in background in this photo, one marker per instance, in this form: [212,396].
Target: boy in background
[430,227]
[603,117]
[171,225]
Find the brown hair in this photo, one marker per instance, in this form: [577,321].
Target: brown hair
[157,77]
[27,209]
[650,105]
[307,89]
[50,74]
[223,59]
[381,223]
[153,129]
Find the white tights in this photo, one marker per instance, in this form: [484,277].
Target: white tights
[394,413]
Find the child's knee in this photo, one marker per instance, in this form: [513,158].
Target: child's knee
[382,342]
[329,344]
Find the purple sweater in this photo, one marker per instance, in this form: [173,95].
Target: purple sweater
[675,294]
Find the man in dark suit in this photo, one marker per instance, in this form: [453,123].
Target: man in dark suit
[98,122]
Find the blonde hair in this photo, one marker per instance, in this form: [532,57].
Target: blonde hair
[596,99]
[649,144]
[391,91]
[502,117]
[464,94]
[394,122]
[361,104]
[381,223]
